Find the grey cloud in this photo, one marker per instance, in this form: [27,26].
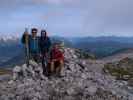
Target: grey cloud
[103,16]
[91,17]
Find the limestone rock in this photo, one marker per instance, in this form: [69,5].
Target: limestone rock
[80,81]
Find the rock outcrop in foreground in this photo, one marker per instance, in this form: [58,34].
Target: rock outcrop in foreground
[82,80]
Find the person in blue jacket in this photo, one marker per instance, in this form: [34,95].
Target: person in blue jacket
[33,44]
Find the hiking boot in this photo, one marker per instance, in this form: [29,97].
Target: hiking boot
[59,75]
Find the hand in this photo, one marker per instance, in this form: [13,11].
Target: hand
[54,60]
[26,33]
[40,55]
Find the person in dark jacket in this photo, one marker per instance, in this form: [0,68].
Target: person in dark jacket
[45,44]
[33,44]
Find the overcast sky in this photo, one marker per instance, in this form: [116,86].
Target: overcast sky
[68,17]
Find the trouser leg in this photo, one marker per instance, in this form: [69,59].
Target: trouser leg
[45,63]
[42,59]
[60,67]
[52,67]
[36,58]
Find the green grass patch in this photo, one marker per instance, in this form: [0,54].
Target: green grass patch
[85,55]
[121,70]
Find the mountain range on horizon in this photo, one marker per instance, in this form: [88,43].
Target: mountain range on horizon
[17,36]
[11,48]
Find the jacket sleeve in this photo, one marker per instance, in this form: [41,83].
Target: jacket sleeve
[39,44]
[49,43]
[23,39]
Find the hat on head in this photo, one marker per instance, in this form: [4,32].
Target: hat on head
[34,30]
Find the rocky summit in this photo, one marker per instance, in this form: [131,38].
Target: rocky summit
[81,80]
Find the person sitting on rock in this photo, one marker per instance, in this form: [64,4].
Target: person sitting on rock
[33,44]
[57,59]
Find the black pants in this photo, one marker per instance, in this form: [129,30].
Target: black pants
[35,57]
[44,60]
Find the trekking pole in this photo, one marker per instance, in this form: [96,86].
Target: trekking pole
[27,46]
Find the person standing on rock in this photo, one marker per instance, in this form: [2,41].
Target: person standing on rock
[33,44]
[45,44]
[57,60]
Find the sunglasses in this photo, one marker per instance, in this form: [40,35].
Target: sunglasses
[34,32]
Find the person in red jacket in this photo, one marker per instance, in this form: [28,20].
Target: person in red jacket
[57,59]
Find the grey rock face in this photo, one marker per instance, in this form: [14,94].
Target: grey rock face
[79,82]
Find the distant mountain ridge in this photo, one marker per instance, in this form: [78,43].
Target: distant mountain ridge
[11,49]
[9,37]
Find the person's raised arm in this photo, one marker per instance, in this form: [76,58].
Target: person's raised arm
[25,37]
